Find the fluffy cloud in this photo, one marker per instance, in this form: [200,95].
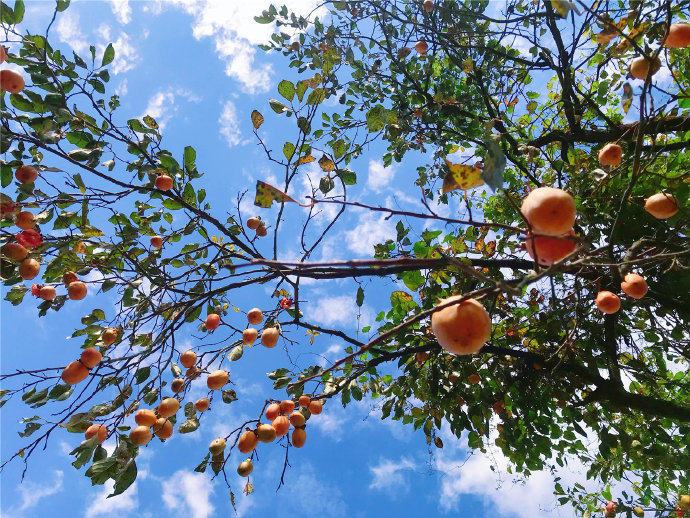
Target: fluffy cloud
[30,493]
[388,474]
[339,310]
[372,228]
[230,126]
[188,494]
[122,10]
[380,176]
[115,506]
[162,105]
[69,31]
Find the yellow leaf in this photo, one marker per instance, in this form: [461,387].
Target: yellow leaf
[266,194]
[634,35]
[562,7]
[461,177]
[326,164]
[257,119]
[80,248]
[467,66]
[305,159]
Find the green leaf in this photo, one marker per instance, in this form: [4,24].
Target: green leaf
[62,5]
[108,55]
[360,296]
[348,177]
[18,11]
[29,429]
[288,150]
[188,426]
[316,96]
[6,14]
[286,89]
[277,106]
[189,157]
[125,479]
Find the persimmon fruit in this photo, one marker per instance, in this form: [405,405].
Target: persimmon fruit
[11,81]
[145,417]
[261,231]
[168,407]
[550,249]
[247,442]
[297,419]
[29,268]
[304,401]
[266,433]
[253,223]
[255,316]
[47,292]
[202,404]
[217,446]
[462,328]
[287,406]
[177,385]
[684,500]
[14,251]
[109,336]
[422,47]
[217,379]
[611,154]
[163,182]
[269,337]
[634,286]
[26,174]
[608,302]
[188,359]
[212,321]
[157,241]
[74,373]
[549,211]
[245,468]
[76,290]
[299,437]
[193,372]
[3,54]
[272,411]
[474,379]
[249,335]
[421,357]
[642,67]
[281,424]
[140,435]
[163,428]
[91,357]
[661,205]
[98,430]
[678,36]
[26,220]
[315,407]
[69,277]
[428,6]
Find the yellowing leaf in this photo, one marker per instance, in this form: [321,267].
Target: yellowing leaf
[305,159]
[326,164]
[257,119]
[80,248]
[266,194]
[627,97]
[461,177]
[634,35]
[605,36]
[467,66]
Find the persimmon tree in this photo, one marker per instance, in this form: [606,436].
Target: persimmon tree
[536,95]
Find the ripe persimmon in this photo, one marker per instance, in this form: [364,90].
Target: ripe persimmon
[76,290]
[287,406]
[297,419]
[315,407]
[642,67]
[304,401]
[109,336]
[163,182]
[202,404]
[217,379]
[26,174]
[421,357]
[212,321]
[247,442]
[607,302]
[269,337]
[661,205]
[47,292]
[634,286]
[96,429]
[177,385]
[550,249]
[266,433]
[261,231]
[462,328]
[474,379]
[74,373]
[253,223]
[193,372]
[281,424]
[156,241]
[140,435]
[26,220]
[145,417]
[163,428]
[549,211]
[14,251]
[245,468]
[249,335]
[29,268]
[255,316]
[11,81]
[299,437]
[168,407]
[91,357]
[217,446]
[272,411]
[422,47]
[678,36]
[69,277]
[611,154]
[188,359]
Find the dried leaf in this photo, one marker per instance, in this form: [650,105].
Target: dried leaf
[257,119]
[461,177]
[327,165]
[305,159]
[266,194]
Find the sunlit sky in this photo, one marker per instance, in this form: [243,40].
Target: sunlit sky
[194,66]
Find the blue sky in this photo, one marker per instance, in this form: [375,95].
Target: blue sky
[194,66]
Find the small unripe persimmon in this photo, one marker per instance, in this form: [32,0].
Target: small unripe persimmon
[315,407]
[253,223]
[76,290]
[140,435]
[177,385]
[91,357]
[281,424]
[96,429]
[47,292]
[29,268]
[217,379]
[661,205]
[14,251]
[217,446]
[74,373]
[608,302]
[634,286]
[202,404]
[11,81]
[109,336]
[247,442]
[156,241]
[272,411]
[188,359]
[249,335]
[255,316]
[26,220]
[304,401]
[299,437]
[245,468]
[163,428]
[678,36]
[611,154]
[297,419]
[266,433]
[145,417]
[168,407]
[164,182]
[287,406]
[212,321]
[269,337]
[26,174]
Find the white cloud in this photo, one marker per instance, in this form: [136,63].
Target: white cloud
[162,105]
[115,506]
[122,10]
[388,475]
[188,494]
[126,56]
[31,493]
[314,496]
[372,228]
[380,176]
[339,310]
[230,126]
[69,31]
